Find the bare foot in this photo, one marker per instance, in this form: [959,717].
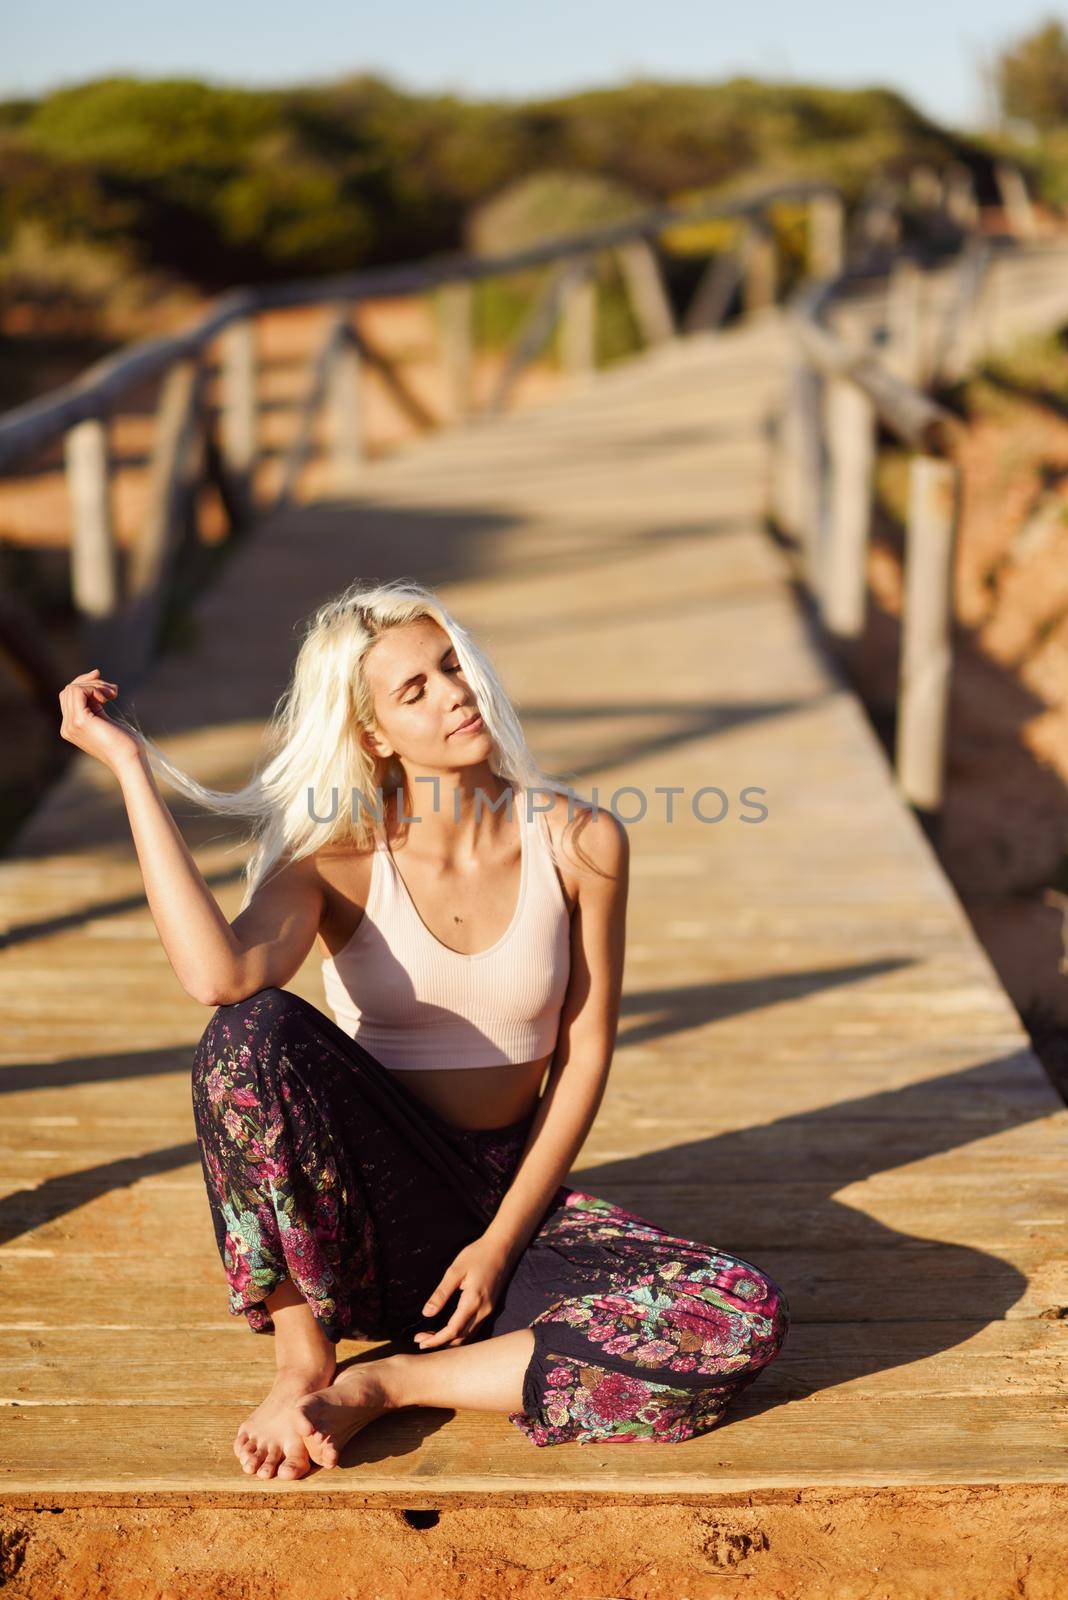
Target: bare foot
[269,1441]
[328,1419]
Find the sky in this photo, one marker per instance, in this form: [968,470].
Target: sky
[936,52]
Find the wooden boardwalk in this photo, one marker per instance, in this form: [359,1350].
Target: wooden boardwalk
[817,1068]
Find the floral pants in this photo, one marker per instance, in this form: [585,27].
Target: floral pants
[321,1166]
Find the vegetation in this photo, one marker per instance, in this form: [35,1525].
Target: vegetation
[216,186]
[1031,81]
[1032,78]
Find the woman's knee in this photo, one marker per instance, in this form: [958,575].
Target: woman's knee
[732,1320]
[766,1316]
[263,1006]
[239,1022]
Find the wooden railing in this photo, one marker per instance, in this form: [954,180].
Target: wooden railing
[840,391]
[196,444]
[121,603]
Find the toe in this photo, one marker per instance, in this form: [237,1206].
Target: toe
[294,1467]
[274,1456]
[303,1422]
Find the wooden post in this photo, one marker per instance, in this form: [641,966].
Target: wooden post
[926,656]
[904,354]
[759,252]
[152,558]
[714,292]
[170,450]
[644,280]
[961,202]
[880,223]
[239,431]
[344,412]
[851,452]
[788,492]
[1016,200]
[803,466]
[954,347]
[925,186]
[579,324]
[985,333]
[456,304]
[94,567]
[319,369]
[826,235]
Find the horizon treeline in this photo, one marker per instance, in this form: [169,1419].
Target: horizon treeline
[215,186]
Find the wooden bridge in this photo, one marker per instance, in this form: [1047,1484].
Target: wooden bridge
[817,1067]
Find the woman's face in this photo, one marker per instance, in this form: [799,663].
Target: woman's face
[421,697]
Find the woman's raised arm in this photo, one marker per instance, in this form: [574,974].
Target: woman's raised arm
[214,961]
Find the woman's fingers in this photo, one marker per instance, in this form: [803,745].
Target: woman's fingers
[458,1323]
[85,685]
[94,679]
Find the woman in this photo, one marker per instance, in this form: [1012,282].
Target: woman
[396,1172]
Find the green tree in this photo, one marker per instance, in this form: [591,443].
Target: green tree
[1032,77]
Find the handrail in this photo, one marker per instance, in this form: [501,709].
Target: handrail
[121,596]
[917,420]
[30,427]
[826,446]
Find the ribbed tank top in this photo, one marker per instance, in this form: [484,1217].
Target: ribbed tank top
[415,1003]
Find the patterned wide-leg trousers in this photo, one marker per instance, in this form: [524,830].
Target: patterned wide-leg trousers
[321,1166]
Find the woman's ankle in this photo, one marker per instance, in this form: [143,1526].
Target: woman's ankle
[304,1372]
[301,1347]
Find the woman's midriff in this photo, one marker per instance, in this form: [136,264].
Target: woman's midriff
[476,1098]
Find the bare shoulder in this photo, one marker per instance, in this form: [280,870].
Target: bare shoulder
[343,874]
[592,846]
[289,876]
[333,858]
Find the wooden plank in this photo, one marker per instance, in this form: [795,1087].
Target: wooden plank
[75,1221]
[889,1440]
[222,1363]
[880,1279]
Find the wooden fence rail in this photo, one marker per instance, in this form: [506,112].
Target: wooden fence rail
[121,610]
[840,392]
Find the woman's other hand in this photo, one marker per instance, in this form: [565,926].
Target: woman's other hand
[478,1272]
[86,723]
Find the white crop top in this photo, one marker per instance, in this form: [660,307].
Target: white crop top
[414,1002]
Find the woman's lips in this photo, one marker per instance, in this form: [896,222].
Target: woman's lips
[468,727]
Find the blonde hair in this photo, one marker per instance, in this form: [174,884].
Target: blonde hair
[312,744]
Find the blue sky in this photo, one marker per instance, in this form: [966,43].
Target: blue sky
[934,51]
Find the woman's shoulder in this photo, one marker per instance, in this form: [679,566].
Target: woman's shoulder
[588,840]
[344,876]
[344,869]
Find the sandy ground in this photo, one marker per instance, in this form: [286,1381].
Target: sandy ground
[963,1542]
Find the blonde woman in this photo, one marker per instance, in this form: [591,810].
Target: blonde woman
[395,1172]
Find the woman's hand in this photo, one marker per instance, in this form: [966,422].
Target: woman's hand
[87,725]
[478,1272]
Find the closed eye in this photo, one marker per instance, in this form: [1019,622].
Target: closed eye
[419,696]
